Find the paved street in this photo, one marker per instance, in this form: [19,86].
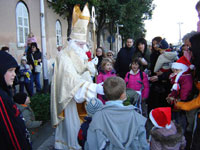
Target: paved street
[43,139]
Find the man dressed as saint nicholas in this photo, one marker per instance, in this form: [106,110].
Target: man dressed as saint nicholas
[72,83]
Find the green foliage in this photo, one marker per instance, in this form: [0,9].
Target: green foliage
[65,8]
[130,13]
[40,103]
[135,12]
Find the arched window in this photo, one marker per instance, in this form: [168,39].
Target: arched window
[58,34]
[22,19]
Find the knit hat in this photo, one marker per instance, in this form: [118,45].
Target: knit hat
[164,44]
[161,117]
[20,98]
[93,106]
[31,40]
[23,58]
[7,61]
[184,64]
[110,52]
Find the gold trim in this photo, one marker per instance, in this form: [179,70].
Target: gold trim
[62,115]
[77,14]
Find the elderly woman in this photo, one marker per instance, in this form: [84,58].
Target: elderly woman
[110,55]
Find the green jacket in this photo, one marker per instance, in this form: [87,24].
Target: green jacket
[29,116]
[146,56]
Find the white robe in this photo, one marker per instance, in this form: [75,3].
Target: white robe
[71,83]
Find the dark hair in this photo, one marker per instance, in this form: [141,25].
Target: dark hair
[141,41]
[158,39]
[35,45]
[181,48]
[197,5]
[195,47]
[103,53]
[130,38]
[5,48]
[114,87]
[135,61]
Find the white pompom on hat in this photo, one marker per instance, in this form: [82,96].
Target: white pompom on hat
[161,117]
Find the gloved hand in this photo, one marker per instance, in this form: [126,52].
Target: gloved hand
[99,88]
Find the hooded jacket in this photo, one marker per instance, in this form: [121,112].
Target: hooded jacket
[164,60]
[13,133]
[29,116]
[103,75]
[167,139]
[116,127]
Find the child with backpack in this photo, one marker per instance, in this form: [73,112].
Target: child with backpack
[105,72]
[138,81]
[91,107]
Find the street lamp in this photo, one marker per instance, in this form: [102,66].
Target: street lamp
[179,25]
[118,26]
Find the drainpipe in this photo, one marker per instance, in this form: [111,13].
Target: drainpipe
[44,53]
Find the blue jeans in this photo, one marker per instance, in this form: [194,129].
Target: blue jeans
[36,79]
[27,86]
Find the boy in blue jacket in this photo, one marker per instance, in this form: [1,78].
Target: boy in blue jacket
[115,126]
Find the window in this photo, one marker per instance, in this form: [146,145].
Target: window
[58,34]
[22,19]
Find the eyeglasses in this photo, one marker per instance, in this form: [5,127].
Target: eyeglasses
[109,55]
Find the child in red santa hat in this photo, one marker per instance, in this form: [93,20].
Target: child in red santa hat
[182,81]
[166,134]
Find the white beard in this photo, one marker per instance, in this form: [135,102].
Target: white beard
[80,51]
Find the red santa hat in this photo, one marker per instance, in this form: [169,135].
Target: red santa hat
[161,117]
[184,64]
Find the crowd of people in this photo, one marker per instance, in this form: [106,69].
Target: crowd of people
[146,98]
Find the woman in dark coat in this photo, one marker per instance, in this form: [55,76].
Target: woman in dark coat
[160,84]
[100,55]
[34,59]
[142,53]
[13,133]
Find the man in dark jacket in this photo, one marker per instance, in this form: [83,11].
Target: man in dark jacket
[13,133]
[124,58]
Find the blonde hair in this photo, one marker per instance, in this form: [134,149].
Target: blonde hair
[104,62]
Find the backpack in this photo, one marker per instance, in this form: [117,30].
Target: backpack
[138,103]
[141,77]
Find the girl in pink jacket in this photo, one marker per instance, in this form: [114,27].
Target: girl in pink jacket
[105,72]
[137,80]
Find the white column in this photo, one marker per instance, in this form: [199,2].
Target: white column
[43,40]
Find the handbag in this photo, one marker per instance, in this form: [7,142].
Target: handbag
[38,68]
